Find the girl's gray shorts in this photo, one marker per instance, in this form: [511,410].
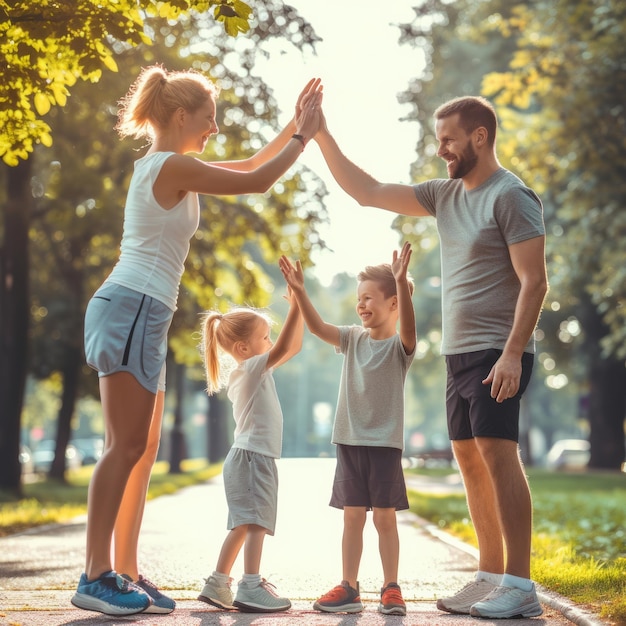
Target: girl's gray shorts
[251,485]
[126,331]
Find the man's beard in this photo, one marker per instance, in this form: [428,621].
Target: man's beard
[466,163]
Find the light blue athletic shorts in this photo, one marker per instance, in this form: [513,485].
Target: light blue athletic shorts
[126,331]
[251,485]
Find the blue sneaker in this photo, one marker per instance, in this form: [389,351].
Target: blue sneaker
[160,602]
[110,594]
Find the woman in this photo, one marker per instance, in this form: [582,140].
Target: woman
[127,319]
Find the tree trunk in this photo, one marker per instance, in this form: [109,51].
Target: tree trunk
[607,397]
[217,432]
[71,374]
[178,446]
[14,319]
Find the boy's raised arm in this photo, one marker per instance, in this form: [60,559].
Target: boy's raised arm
[406,313]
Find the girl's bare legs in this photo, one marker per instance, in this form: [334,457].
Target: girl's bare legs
[388,543]
[230,549]
[130,515]
[253,549]
[352,542]
[127,408]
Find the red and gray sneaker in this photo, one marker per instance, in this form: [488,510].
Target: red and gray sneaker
[391,601]
[340,599]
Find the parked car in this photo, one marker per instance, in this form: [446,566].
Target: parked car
[26,460]
[43,455]
[90,448]
[568,454]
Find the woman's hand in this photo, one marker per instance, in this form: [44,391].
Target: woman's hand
[309,88]
[309,103]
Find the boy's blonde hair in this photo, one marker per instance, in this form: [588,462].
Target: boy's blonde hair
[220,333]
[154,97]
[383,275]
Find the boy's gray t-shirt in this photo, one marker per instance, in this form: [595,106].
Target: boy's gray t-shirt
[370,407]
[479,285]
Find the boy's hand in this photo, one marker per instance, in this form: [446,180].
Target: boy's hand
[400,263]
[293,274]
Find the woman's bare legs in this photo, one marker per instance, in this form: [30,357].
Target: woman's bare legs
[130,515]
[127,409]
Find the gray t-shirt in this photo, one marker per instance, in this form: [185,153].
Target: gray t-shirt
[370,407]
[479,285]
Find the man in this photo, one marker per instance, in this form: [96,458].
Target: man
[494,283]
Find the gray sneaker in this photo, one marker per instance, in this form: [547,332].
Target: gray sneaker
[462,601]
[216,593]
[505,602]
[261,598]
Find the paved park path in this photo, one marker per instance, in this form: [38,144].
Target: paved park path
[181,539]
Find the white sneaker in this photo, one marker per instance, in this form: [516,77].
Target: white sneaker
[462,601]
[505,602]
[216,593]
[261,598]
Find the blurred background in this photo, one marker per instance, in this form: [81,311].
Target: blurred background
[556,73]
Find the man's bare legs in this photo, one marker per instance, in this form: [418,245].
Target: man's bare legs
[127,408]
[513,501]
[130,515]
[499,502]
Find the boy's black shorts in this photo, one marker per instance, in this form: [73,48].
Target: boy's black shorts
[369,476]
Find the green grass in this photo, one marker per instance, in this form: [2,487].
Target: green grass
[579,541]
[49,501]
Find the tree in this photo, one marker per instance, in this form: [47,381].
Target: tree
[543,63]
[569,66]
[47,47]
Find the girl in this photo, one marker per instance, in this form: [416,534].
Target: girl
[250,475]
[127,319]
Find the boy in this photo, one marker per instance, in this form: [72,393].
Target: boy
[369,420]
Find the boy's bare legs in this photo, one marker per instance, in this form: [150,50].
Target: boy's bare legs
[388,542]
[127,408]
[352,542]
[130,515]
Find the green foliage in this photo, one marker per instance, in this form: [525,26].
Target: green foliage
[47,46]
[569,68]
[51,501]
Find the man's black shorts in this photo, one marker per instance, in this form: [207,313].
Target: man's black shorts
[472,412]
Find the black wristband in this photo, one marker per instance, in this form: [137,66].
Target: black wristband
[300,138]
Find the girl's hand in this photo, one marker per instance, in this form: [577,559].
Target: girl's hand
[400,263]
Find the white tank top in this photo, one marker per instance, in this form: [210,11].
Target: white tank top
[155,241]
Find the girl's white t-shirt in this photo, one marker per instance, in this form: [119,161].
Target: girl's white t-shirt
[256,407]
